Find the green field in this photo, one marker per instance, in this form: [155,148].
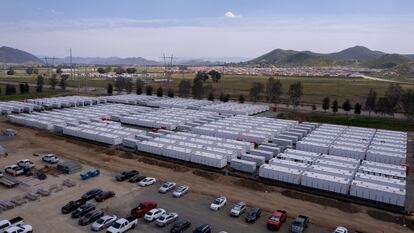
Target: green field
[315,88]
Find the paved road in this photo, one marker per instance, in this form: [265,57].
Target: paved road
[193,207]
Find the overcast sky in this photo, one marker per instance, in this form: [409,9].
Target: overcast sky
[204,28]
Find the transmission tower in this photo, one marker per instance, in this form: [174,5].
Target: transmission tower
[168,63]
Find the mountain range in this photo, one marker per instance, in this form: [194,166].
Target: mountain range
[355,55]
[359,55]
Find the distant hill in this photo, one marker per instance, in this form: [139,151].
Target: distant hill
[16,56]
[106,61]
[354,55]
[388,61]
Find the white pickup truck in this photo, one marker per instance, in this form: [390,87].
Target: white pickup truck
[123,225]
[5,224]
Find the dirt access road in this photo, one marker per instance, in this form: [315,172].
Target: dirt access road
[324,212]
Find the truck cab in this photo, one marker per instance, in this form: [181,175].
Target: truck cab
[300,224]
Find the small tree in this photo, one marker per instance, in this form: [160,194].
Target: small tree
[29,70]
[313,107]
[202,76]
[131,70]
[149,90]
[221,97]
[160,92]
[335,106]
[139,86]
[119,70]
[211,96]
[197,90]
[215,75]
[184,88]
[26,87]
[241,99]
[295,93]
[39,83]
[101,70]
[129,86]
[407,103]
[170,93]
[255,91]
[119,84]
[226,98]
[22,88]
[62,82]
[110,89]
[11,71]
[273,90]
[357,108]
[326,103]
[370,102]
[346,106]
[53,81]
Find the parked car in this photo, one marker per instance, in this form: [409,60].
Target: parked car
[166,187]
[50,158]
[147,182]
[341,230]
[4,224]
[154,214]
[300,224]
[143,208]
[125,175]
[91,217]
[136,178]
[218,203]
[25,163]
[19,229]
[181,191]
[103,222]
[238,209]
[72,205]
[276,220]
[104,195]
[180,226]
[205,228]
[84,209]
[122,225]
[91,194]
[253,215]
[14,170]
[166,219]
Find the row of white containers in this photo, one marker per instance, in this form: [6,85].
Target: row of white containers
[236,108]
[200,149]
[51,120]
[18,107]
[179,103]
[109,133]
[64,102]
[246,128]
[168,118]
[130,99]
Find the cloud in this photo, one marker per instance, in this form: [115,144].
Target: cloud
[231,15]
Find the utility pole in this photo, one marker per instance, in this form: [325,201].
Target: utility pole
[168,67]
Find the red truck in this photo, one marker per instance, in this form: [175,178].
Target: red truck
[143,208]
[276,220]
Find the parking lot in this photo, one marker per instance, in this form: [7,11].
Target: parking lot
[44,214]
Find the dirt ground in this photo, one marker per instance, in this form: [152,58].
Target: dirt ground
[327,213]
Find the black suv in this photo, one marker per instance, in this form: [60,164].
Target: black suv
[205,228]
[126,175]
[72,205]
[91,194]
[253,215]
[91,217]
[180,226]
[79,212]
